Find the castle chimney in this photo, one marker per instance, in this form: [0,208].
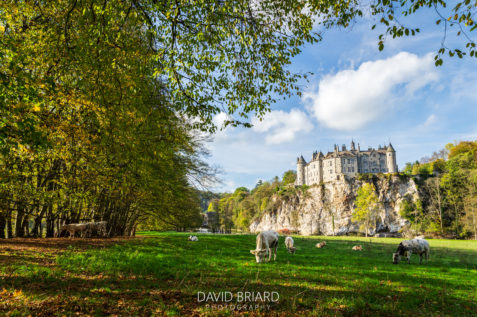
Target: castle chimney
[343,147]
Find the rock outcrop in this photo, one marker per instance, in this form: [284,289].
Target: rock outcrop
[326,209]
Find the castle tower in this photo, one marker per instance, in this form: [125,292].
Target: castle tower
[352,145]
[391,159]
[300,171]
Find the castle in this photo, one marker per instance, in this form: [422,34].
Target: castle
[345,163]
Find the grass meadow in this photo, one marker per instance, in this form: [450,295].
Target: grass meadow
[161,274]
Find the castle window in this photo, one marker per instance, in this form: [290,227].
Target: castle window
[331,171]
[352,169]
[349,161]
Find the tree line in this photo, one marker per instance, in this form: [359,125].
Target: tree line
[447,183]
[104,103]
[237,210]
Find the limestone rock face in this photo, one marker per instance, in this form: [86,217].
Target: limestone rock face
[326,209]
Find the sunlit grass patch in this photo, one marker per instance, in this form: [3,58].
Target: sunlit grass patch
[163,273]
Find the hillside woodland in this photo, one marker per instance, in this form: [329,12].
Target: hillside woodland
[436,196]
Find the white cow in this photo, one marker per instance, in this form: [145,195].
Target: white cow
[267,243]
[72,228]
[289,244]
[408,247]
[193,238]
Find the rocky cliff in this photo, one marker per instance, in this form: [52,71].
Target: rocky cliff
[326,209]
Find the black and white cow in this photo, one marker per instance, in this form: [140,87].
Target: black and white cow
[408,247]
[267,243]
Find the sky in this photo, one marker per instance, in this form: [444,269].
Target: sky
[358,92]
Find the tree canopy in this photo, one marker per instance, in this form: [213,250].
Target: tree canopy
[101,101]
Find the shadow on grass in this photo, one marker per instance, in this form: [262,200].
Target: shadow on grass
[328,281]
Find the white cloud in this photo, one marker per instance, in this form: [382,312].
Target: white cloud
[350,99]
[282,126]
[219,119]
[430,121]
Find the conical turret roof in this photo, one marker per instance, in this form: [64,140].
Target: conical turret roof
[390,148]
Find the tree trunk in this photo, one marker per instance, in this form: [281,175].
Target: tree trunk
[456,220]
[439,205]
[19,231]
[9,225]
[37,227]
[3,223]
[25,226]
[50,222]
[50,227]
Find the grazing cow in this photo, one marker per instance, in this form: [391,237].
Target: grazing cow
[408,247]
[321,244]
[289,244]
[357,248]
[193,238]
[267,243]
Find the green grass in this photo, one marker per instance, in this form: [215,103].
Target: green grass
[161,274]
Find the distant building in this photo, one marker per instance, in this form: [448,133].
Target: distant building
[345,163]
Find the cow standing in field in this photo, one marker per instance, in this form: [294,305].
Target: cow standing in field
[267,243]
[289,244]
[408,247]
[72,228]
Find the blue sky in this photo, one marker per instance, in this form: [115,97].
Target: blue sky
[358,92]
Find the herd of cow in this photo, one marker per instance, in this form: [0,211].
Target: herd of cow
[267,244]
[86,230]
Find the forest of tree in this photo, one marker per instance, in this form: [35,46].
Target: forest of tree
[449,180]
[104,104]
[238,209]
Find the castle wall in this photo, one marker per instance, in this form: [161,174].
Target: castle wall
[349,166]
[313,172]
[331,168]
[373,163]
